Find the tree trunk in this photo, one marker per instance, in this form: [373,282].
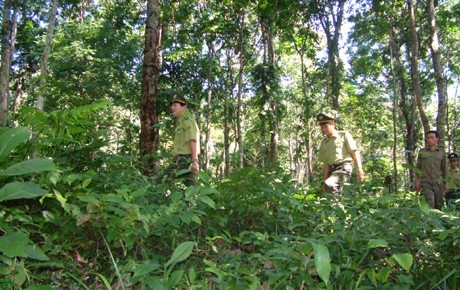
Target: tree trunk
[269,61]
[5,63]
[331,19]
[239,119]
[227,116]
[149,136]
[45,55]
[441,84]
[414,67]
[208,142]
[395,71]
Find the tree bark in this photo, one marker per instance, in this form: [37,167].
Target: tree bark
[394,58]
[209,108]
[149,136]
[5,62]
[331,18]
[414,67]
[269,62]
[45,55]
[441,83]
[239,119]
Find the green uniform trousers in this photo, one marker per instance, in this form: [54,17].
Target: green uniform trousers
[180,162]
[434,193]
[338,174]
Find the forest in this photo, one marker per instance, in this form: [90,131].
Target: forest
[86,128]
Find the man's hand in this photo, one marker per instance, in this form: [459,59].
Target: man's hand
[361,176]
[195,167]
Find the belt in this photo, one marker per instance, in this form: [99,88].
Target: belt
[182,156]
[334,167]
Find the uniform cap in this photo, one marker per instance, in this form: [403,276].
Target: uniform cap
[452,156]
[178,98]
[327,117]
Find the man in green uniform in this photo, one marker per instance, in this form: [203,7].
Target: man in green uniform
[431,177]
[186,143]
[337,152]
[453,178]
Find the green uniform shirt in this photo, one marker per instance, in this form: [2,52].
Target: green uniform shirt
[186,130]
[453,179]
[337,149]
[432,164]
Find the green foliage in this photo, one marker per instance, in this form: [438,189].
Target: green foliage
[15,246]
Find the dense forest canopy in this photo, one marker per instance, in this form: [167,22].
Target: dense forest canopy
[85,91]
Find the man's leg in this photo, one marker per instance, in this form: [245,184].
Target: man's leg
[335,180]
[439,197]
[183,163]
[168,173]
[429,194]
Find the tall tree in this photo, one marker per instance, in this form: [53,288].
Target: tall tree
[46,54]
[441,83]
[149,136]
[414,56]
[239,107]
[331,13]
[269,78]
[5,62]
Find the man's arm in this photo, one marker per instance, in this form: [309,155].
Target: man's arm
[194,166]
[417,183]
[326,171]
[357,159]
[325,174]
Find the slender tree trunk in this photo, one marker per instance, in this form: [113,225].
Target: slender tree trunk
[331,18]
[5,63]
[227,114]
[45,55]
[208,142]
[414,67]
[269,61]
[394,51]
[441,83]
[239,119]
[149,136]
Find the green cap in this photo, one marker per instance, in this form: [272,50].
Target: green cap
[178,98]
[327,117]
[452,156]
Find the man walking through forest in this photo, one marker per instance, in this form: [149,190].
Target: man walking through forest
[431,176]
[337,151]
[453,178]
[186,143]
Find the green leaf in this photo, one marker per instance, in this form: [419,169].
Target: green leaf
[405,260]
[383,274]
[322,261]
[106,282]
[29,166]
[376,243]
[17,190]
[181,253]
[36,253]
[207,200]
[192,275]
[12,138]
[146,268]
[175,278]
[40,287]
[154,283]
[371,275]
[13,244]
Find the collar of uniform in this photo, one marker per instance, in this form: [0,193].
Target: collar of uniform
[436,149]
[335,134]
